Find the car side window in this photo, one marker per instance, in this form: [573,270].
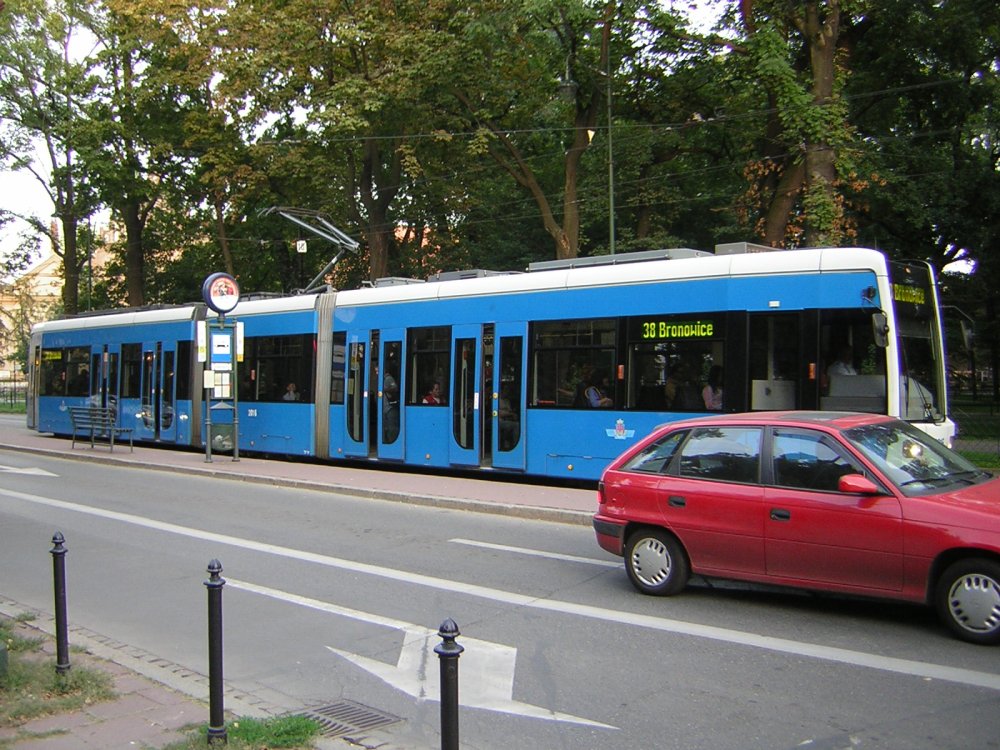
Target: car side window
[809,460]
[655,457]
[728,454]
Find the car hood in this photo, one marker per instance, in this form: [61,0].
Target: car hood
[977,505]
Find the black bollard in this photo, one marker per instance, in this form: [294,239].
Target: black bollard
[216,706]
[448,652]
[59,586]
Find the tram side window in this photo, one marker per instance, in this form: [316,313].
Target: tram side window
[78,371]
[574,363]
[337,374]
[429,351]
[272,364]
[183,370]
[131,370]
[53,373]
[670,360]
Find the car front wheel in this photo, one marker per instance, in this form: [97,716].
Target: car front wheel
[968,600]
[656,563]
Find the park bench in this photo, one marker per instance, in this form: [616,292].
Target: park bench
[97,423]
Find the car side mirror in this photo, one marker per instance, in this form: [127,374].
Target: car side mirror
[856,484]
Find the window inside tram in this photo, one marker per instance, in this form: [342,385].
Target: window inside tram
[65,372]
[574,364]
[131,370]
[427,369]
[338,375]
[277,368]
[671,361]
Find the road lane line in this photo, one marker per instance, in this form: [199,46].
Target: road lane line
[724,635]
[537,553]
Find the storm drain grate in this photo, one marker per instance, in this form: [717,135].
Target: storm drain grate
[346,717]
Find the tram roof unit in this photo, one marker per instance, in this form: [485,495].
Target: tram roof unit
[128,317]
[686,264]
[262,306]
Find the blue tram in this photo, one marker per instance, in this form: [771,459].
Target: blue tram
[549,373]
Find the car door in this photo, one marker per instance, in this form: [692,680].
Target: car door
[816,534]
[714,501]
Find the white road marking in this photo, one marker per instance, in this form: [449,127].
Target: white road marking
[538,553]
[724,635]
[32,471]
[487,668]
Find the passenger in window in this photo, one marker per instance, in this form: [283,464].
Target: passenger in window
[711,394]
[434,395]
[844,364]
[291,393]
[80,384]
[671,387]
[577,382]
[596,398]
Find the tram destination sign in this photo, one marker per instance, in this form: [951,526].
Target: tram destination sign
[674,328]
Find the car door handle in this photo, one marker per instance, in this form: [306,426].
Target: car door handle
[677,501]
[780,514]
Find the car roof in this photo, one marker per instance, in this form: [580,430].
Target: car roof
[839,420]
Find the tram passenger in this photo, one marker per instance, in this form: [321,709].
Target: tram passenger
[434,395]
[291,393]
[711,394]
[80,384]
[390,409]
[672,387]
[844,364]
[596,398]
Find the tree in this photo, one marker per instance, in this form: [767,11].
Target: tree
[42,89]
[797,52]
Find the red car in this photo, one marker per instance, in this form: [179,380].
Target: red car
[853,503]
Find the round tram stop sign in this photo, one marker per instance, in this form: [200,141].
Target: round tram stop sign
[221,292]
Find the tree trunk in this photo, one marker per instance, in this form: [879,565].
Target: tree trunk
[822,225]
[780,206]
[71,267]
[135,259]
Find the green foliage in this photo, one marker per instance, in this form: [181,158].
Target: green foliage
[445,134]
[259,734]
[33,688]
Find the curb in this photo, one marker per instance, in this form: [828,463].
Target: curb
[526,512]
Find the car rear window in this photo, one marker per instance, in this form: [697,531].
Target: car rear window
[655,457]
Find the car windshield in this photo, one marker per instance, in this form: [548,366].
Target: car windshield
[914,462]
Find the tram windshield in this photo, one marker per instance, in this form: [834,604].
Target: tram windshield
[921,374]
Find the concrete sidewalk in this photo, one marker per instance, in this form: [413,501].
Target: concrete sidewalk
[489,494]
[159,702]
[145,713]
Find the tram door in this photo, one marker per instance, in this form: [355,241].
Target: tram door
[159,382]
[464,396]
[390,390]
[356,397]
[104,379]
[508,396]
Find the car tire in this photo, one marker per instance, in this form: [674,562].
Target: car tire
[967,597]
[656,562]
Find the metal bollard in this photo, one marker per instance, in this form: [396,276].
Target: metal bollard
[448,652]
[216,706]
[59,586]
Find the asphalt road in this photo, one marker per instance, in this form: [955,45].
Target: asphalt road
[332,598]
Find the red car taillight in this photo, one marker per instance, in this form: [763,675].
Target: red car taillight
[600,493]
